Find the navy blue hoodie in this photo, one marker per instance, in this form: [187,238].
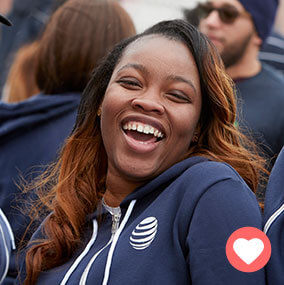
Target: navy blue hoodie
[172,230]
[31,134]
[274,221]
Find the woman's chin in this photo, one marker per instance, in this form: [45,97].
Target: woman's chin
[140,171]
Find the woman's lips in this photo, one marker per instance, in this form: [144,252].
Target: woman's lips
[141,144]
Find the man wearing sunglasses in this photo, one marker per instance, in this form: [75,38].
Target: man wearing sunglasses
[238,28]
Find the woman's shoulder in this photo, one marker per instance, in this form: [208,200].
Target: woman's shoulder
[211,172]
[211,180]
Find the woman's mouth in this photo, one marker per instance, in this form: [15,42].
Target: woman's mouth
[142,132]
[142,137]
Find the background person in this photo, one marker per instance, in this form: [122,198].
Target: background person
[32,131]
[274,221]
[21,82]
[147,164]
[238,28]
[272,51]
[29,18]
[7,243]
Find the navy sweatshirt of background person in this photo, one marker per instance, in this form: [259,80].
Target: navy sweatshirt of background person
[274,221]
[31,135]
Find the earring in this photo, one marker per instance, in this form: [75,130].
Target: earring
[195,137]
[99,112]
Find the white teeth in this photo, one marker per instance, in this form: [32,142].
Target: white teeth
[140,128]
[146,129]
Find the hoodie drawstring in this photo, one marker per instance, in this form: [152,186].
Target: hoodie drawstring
[113,241]
[83,254]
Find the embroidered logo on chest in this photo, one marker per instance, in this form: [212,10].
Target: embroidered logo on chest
[144,233]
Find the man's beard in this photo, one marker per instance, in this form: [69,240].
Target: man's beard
[234,52]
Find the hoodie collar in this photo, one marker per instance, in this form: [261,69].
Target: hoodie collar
[165,177]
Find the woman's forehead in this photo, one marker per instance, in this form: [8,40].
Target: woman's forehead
[143,41]
[159,49]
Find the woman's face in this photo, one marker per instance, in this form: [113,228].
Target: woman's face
[151,109]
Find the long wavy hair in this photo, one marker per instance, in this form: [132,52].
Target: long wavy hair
[76,182]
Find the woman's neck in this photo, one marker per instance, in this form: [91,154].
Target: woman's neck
[117,189]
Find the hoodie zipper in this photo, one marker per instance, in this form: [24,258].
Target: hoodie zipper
[116,229]
[115,223]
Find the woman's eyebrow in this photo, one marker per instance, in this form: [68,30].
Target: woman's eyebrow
[137,66]
[182,79]
[143,69]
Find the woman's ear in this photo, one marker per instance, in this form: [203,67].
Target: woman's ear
[99,112]
[196,134]
[195,137]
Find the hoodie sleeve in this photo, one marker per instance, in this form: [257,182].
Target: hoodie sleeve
[225,207]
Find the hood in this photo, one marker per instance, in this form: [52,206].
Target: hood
[160,181]
[34,111]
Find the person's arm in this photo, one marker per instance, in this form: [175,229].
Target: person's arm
[7,244]
[225,207]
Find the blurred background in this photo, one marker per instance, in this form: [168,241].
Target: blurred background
[148,12]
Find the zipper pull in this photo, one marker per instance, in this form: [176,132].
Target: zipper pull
[115,223]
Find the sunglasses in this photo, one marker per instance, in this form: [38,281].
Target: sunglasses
[227,13]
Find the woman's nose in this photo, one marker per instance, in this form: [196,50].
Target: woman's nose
[148,103]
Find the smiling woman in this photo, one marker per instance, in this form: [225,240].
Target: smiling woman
[157,110]
[153,179]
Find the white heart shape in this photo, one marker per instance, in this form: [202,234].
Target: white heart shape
[248,250]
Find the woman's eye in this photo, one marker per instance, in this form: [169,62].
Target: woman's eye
[129,83]
[179,97]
